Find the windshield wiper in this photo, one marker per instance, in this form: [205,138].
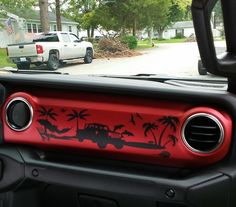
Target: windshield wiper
[14,70]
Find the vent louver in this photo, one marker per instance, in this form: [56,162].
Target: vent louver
[19,114]
[203,133]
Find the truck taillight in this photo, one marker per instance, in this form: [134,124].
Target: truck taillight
[39,49]
[7,51]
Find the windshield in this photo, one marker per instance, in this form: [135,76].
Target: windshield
[104,37]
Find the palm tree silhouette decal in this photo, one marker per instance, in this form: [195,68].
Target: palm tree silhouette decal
[76,116]
[149,128]
[168,121]
[171,139]
[47,114]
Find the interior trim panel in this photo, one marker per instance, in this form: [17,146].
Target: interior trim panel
[109,171]
[115,126]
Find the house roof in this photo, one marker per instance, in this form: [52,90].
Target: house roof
[52,17]
[183,24]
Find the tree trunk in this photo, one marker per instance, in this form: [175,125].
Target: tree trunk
[134,28]
[123,31]
[92,32]
[150,35]
[58,15]
[88,33]
[44,18]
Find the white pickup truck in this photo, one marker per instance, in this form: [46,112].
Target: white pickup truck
[52,49]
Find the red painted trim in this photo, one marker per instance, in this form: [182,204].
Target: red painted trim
[103,113]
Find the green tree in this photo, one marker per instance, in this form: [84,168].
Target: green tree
[218,15]
[24,8]
[126,16]
[107,19]
[179,10]
[83,12]
[157,16]
[18,7]
[133,15]
[176,10]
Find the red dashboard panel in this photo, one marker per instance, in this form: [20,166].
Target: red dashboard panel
[115,127]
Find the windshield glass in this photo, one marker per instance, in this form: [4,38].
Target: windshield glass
[108,37]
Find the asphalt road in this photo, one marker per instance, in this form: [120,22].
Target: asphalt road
[178,59]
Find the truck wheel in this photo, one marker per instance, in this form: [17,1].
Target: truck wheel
[101,143]
[119,144]
[22,66]
[89,56]
[53,62]
[201,69]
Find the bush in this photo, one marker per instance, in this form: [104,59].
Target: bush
[130,41]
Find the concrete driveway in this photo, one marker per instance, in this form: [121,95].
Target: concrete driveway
[179,59]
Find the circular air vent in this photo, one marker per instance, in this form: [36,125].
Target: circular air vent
[19,114]
[203,133]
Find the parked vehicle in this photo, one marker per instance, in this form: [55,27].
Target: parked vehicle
[52,49]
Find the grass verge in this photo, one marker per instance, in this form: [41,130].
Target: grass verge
[145,44]
[3,59]
[172,41]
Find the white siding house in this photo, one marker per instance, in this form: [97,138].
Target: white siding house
[28,28]
[184,29]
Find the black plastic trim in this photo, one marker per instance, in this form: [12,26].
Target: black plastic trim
[187,190]
[199,189]
[223,65]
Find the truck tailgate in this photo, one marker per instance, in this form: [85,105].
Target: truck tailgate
[22,50]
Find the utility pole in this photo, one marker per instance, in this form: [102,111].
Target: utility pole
[44,18]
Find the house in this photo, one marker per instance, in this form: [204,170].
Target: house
[24,28]
[179,29]
[185,29]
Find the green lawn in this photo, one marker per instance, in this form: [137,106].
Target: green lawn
[172,41]
[144,44]
[146,41]
[3,59]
